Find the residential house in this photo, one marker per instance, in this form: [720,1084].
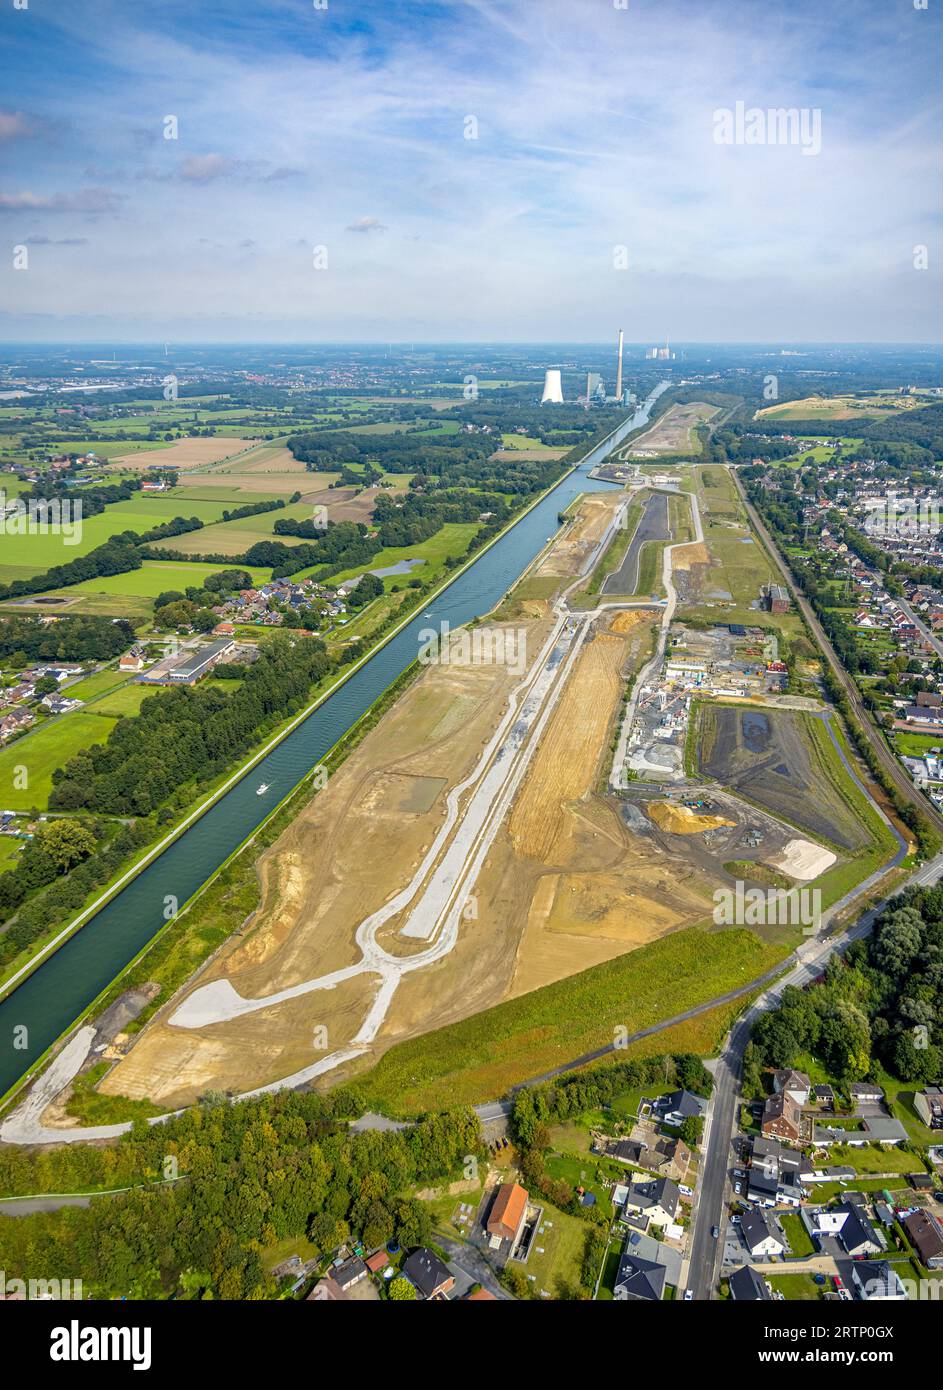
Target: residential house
[856,1233]
[885,1130]
[928,1104]
[776,1175]
[824,1096]
[658,1199]
[639,1280]
[508,1211]
[865,1092]
[878,1281]
[428,1274]
[782,1119]
[926,1235]
[349,1272]
[793,1084]
[746,1286]
[668,1157]
[14,721]
[760,1237]
[679,1106]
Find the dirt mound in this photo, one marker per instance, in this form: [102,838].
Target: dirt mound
[687,556]
[804,860]
[681,820]
[627,619]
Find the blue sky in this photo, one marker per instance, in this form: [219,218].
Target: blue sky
[345,128]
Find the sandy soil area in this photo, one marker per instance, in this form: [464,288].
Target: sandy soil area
[681,820]
[186,453]
[578,542]
[803,860]
[354,845]
[671,434]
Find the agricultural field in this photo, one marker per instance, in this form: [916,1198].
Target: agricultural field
[722,578]
[41,751]
[40,552]
[846,407]
[130,595]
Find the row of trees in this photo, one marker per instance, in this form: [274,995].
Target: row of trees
[183,737]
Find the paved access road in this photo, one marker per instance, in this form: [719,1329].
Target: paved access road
[652,526]
[710,1203]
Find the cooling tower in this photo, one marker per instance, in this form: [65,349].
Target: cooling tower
[553,390]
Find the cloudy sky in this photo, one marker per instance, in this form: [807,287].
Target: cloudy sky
[468,170]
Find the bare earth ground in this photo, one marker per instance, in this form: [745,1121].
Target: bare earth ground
[186,453]
[672,433]
[577,543]
[566,884]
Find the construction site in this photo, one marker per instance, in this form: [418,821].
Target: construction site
[483,841]
[729,662]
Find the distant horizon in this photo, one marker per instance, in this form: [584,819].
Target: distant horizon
[466,171]
[680,345]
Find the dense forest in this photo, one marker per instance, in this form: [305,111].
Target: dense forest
[250,1175]
[880,1006]
[28,639]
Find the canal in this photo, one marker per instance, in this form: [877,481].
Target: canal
[59,990]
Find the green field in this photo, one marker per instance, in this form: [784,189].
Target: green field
[451,539]
[93,686]
[125,702]
[137,514]
[42,751]
[479,1058]
[154,577]
[235,537]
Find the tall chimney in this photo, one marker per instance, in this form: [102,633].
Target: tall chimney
[619,370]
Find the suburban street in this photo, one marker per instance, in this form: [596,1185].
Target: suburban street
[888,761]
[709,1202]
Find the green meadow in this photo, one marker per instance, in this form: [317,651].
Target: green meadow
[41,752]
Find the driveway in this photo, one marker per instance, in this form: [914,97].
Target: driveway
[467,1261]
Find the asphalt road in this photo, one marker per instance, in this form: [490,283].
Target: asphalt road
[709,1204]
[652,526]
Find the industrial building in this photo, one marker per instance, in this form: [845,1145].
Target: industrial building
[553,388]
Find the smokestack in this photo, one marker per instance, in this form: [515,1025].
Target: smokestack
[619,370]
[553,388]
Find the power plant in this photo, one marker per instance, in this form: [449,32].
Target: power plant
[553,388]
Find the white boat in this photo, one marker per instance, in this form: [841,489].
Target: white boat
[262,789]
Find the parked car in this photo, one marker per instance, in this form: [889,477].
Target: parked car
[737,1188]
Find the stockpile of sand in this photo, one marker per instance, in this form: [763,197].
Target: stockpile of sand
[681,820]
[627,619]
[803,860]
